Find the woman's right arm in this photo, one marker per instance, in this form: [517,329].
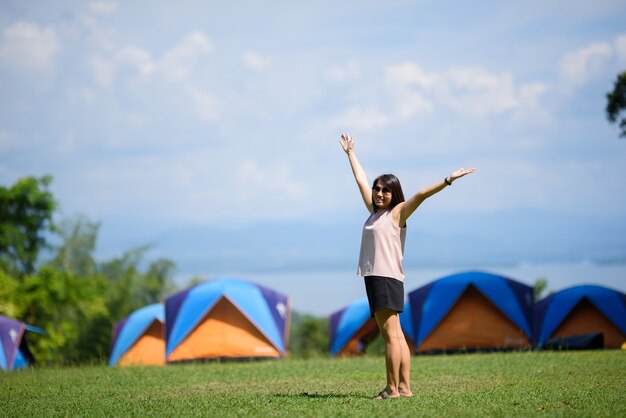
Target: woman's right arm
[347,143]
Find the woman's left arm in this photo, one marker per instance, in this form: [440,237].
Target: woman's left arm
[406,208]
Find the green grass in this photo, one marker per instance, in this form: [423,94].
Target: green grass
[591,383]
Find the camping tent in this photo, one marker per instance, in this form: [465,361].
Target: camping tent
[138,338]
[580,310]
[472,311]
[226,318]
[352,328]
[14,352]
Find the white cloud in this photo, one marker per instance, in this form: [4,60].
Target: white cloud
[99,35]
[412,104]
[407,84]
[25,45]
[177,63]
[272,182]
[529,96]
[340,74]
[105,68]
[103,7]
[580,66]
[205,104]
[479,92]
[198,184]
[410,74]
[256,61]
[476,79]
[139,59]
[466,90]
[530,93]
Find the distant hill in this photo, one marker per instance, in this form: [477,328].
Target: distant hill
[434,239]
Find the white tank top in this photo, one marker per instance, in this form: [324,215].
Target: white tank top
[382,247]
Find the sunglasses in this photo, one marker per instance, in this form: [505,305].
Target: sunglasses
[384,190]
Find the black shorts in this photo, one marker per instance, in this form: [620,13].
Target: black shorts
[384,292]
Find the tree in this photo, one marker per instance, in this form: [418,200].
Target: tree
[9,296]
[309,336]
[26,210]
[67,307]
[75,254]
[128,288]
[77,300]
[83,330]
[541,284]
[74,298]
[616,102]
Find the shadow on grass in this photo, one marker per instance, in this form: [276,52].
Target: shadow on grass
[317,395]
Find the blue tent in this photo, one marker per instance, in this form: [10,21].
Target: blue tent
[581,310]
[472,310]
[138,338]
[14,352]
[226,318]
[352,328]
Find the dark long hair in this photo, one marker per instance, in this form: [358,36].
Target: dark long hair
[392,183]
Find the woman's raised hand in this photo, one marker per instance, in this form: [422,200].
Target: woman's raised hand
[460,173]
[347,142]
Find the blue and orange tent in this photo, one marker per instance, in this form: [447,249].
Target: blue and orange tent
[581,310]
[472,311]
[14,352]
[226,318]
[138,339]
[352,328]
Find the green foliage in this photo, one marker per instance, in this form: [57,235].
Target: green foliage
[129,288]
[65,306]
[76,252]
[159,280]
[562,384]
[376,347]
[26,210]
[616,102]
[541,285]
[75,299]
[195,280]
[309,336]
[9,297]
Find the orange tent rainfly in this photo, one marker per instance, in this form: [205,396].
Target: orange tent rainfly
[226,318]
[572,318]
[138,338]
[472,311]
[353,328]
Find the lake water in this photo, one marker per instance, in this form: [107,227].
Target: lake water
[321,293]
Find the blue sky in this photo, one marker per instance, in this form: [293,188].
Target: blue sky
[155,119]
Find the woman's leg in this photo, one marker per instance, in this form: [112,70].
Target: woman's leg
[397,356]
[404,387]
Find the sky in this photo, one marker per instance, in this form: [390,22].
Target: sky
[156,120]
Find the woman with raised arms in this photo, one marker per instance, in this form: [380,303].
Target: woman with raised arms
[380,260]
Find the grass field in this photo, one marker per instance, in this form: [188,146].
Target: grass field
[591,383]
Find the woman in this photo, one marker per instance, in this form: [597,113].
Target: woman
[380,261]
